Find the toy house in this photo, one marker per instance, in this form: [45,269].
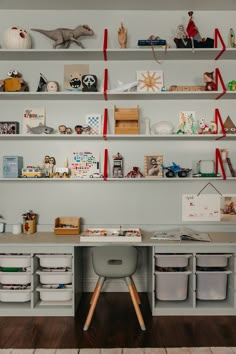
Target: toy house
[126,120]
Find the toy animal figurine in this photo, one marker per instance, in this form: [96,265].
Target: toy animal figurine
[208,78]
[89,83]
[40,129]
[134,173]
[65,36]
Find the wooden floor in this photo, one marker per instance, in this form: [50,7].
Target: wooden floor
[115,325]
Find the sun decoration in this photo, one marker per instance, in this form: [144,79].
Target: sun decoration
[150,81]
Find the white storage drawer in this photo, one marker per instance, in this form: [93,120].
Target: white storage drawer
[55,277]
[55,294]
[171,286]
[15,295]
[212,285]
[15,261]
[212,260]
[172,260]
[55,260]
[15,278]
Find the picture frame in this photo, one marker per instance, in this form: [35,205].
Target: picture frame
[150,81]
[153,166]
[94,121]
[9,128]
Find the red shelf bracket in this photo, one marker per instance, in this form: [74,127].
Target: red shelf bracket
[219,161]
[105,123]
[105,164]
[217,36]
[219,122]
[219,79]
[105,44]
[105,85]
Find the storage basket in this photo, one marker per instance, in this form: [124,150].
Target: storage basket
[55,294]
[212,285]
[12,261]
[55,277]
[55,260]
[170,260]
[171,286]
[15,278]
[15,295]
[212,260]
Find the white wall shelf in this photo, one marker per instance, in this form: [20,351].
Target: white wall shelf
[52,96]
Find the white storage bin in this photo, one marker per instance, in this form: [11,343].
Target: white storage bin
[15,278]
[171,286]
[55,277]
[55,294]
[18,261]
[212,260]
[212,285]
[55,260]
[172,260]
[15,295]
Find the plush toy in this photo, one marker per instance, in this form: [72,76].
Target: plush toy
[208,78]
[14,83]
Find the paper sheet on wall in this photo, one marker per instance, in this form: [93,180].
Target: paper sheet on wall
[203,207]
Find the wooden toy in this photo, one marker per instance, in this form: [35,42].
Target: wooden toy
[229,126]
[117,169]
[122,36]
[135,172]
[67,225]
[186,88]
[150,81]
[65,36]
[126,120]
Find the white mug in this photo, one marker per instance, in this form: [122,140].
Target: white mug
[17,229]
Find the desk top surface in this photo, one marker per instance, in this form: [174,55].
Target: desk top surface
[49,238]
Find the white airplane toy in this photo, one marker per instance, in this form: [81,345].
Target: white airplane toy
[124,87]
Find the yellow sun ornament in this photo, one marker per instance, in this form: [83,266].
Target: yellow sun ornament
[150,81]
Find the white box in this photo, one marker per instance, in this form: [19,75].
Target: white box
[171,286]
[15,261]
[55,294]
[169,260]
[15,278]
[212,260]
[55,260]
[212,285]
[55,277]
[15,295]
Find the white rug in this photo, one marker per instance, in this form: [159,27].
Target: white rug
[202,350]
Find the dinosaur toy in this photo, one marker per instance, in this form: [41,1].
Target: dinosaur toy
[65,36]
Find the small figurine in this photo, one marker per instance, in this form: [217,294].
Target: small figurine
[232,85]
[82,129]
[206,129]
[14,83]
[68,130]
[42,85]
[52,163]
[79,129]
[46,165]
[62,129]
[134,173]
[208,78]
[52,86]
[65,36]
[117,170]
[89,83]
[122,36]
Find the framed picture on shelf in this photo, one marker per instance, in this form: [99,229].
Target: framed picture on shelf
[150,81]
[153,166]
[94,121]
[32,118]
[187,122]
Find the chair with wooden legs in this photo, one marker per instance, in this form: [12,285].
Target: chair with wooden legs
[114,262]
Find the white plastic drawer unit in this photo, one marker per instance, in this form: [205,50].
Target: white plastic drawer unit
[172,260]
[212,285]
[55,260]
[17,278]
[212,260]
[15,260]
[55,277]
[171,286]
[15,295]
[51,295]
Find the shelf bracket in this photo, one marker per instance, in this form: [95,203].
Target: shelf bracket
[219,78]
[105,44]
[218,121]
[216,37]
[219,161]
[105,84]
[105,164]
[105,123]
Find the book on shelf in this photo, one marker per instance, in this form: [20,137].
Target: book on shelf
[183,234]
[111,235]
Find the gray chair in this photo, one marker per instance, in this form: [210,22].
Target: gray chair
[113,262]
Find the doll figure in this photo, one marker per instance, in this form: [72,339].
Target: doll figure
[208,78]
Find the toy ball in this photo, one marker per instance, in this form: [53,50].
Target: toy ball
[163,127]
[16,37]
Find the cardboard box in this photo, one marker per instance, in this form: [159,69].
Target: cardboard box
[67,226]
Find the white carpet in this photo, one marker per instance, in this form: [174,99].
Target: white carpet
[202,350]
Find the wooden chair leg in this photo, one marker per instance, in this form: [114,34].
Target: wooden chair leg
[136,306]
[95,297]
[94,291]
[135,291]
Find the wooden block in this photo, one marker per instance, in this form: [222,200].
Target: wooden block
[67,226]
[186,88]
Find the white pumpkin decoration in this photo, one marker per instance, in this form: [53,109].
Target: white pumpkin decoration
[16,37]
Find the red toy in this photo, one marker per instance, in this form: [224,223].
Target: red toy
[134,173]
[208,78]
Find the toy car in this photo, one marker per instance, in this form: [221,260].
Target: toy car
[175,170]
[96,175]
